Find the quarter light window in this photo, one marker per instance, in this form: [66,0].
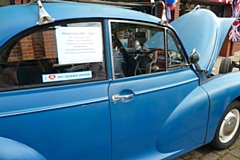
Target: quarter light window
[175,58]
[63,53]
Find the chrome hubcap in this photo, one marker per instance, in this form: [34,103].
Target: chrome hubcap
[229,126]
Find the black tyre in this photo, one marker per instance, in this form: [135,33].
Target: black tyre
[225,66]
[228,128]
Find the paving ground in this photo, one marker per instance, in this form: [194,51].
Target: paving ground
[208,153]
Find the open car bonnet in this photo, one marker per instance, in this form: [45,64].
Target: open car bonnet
[203,30]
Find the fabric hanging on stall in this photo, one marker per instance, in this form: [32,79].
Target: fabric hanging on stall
[171,4]
[234,34]
[222,1]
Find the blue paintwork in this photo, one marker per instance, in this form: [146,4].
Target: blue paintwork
[61,11]
[222,90]
[148,126]
[59,121]
[170,113]
[10,149]
[203,30]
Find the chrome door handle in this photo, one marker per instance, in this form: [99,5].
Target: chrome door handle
[121,97]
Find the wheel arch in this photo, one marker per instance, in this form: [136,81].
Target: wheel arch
[237,98]
[11,149]
[222,91]
[212,130]
[228,129]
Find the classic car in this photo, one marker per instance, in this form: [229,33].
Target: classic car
[93,81]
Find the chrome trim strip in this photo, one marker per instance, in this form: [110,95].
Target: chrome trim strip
[130,22]
[164,87]
[54,107]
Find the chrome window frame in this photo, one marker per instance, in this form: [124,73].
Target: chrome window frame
[174,37]
[166,31]
[25,33]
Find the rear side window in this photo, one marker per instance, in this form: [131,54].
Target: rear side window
[64,53]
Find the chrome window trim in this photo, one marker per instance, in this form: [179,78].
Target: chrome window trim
[130,22]
[166,30]
[36,29]
[185,63]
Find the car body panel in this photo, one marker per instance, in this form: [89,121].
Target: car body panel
[61,120]
[220,96]
[148,123]
[59,12]
[203,30]
[171,112]
[14,150]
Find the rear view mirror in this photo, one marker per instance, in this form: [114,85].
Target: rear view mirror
[194,57]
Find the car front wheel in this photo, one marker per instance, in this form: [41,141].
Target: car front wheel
[228,129]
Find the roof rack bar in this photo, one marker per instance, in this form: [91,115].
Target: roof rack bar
[44,17]
[151,4]
[164,20]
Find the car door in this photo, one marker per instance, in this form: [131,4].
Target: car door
[57,101]
[155,113]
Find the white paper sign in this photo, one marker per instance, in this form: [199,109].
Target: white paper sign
[79,44]
[66,76]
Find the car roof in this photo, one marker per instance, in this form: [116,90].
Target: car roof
[17,18]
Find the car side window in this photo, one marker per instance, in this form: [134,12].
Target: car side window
[137,49]
[175,58]
[63,53]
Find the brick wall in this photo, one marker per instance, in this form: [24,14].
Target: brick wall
[49,45]
[176,12]
[35,46]
[27,48]
[16,52]
[237,46]
[227,46]
[19,1]
[38,45]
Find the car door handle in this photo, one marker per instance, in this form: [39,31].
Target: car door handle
[121,97]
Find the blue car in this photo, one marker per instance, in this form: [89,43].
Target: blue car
[94,81]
